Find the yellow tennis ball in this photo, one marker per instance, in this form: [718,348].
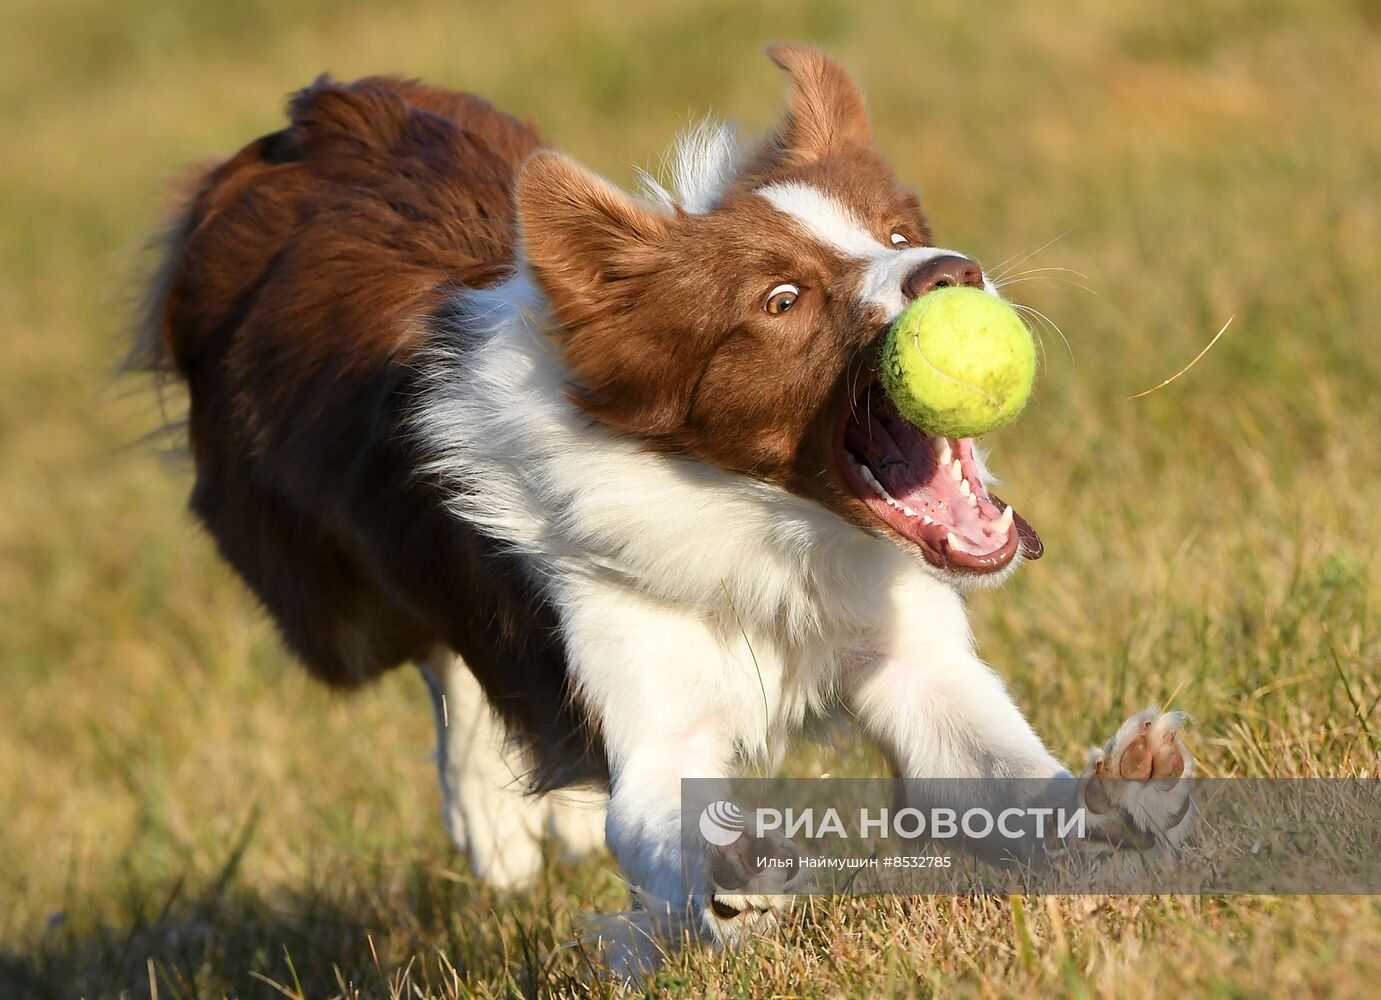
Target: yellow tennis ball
[959,362]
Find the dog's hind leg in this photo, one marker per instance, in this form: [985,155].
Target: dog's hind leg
[575,817]
[488,811]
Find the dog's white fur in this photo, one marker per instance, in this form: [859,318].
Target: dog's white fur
[702,165]
[485,802]
[706,616]
[833,224]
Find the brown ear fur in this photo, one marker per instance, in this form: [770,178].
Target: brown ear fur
[826,109]
[595,251]
[581,233]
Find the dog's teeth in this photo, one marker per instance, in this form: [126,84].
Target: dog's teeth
[964,488]
[953,540]
[927,519]
[1004,523]
[942,452]
[908,512]
[868,477]
[957,471]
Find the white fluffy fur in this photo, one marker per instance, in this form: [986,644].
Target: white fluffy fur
[702,165]
[706,615]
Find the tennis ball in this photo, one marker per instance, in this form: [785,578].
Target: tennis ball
[958,362]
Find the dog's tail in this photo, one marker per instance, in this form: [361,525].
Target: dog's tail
[194,289]
[229,207]
[148,351]
[398,148]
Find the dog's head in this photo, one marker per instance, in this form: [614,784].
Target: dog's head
[739,321]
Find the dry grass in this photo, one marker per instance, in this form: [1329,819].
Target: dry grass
[179,801]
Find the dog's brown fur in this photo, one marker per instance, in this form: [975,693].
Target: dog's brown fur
[295,304]
[301,297]
[661,316]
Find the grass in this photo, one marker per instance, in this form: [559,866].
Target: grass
[184,813]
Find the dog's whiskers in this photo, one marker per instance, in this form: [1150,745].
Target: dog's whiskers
[1045,274]
[1050,324]
[1045,277]
[1035,270]
[1004,267]
[1035,331]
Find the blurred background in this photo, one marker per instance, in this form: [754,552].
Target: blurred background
[179,805]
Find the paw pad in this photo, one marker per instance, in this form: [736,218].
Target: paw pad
[1132,787]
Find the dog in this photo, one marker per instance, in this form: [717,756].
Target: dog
[613,469]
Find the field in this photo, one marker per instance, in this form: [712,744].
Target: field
[186,815]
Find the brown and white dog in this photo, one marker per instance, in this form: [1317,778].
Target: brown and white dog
[611,469]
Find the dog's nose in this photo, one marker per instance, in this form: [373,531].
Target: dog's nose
[948,271]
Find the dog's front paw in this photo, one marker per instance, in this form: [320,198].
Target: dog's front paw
[750,884]
[1136,789]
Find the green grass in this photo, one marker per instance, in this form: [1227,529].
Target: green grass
[179,800]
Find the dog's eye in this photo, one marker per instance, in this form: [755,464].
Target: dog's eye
[780,299]
[898,240]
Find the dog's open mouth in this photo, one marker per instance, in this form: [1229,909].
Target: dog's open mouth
[928,489]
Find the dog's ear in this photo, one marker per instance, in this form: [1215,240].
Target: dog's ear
[598,255]
[825,109]
[582,235]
